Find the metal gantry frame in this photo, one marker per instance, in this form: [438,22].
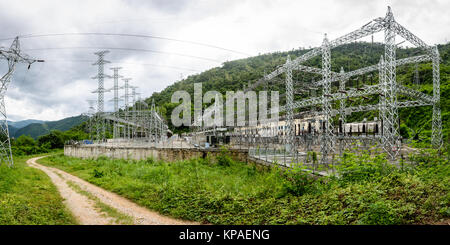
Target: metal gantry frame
[290,134]
[127,122]
[387,89]
[436,135]
[342,110]
[140,124]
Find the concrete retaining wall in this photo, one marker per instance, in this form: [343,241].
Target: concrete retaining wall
[142,153]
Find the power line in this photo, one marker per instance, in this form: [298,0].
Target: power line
[126,63]
[126,35]
[127,49]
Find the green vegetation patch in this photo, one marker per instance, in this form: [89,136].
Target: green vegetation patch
[26,145]
[369,191]
[28,197]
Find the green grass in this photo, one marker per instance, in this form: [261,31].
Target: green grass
[370,191]
[28,197]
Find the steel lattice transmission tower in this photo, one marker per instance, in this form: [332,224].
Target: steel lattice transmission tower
[153,122]
[327,123]
[91,114]
[126,95]
[116,98]
[100,122]
[13,55]
[134,109]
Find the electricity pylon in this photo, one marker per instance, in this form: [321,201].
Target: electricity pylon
[126,95]
[13,55]
[116,99]
[91,114]
[101,93]
[134,110]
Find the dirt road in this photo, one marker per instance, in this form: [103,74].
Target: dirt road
[92,205]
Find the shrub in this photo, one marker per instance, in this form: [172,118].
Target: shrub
[97,174]
[55,139]
[380,213]
[150,160]
[298,181]
[25,140]
[223,158]
[354,167]
[26,145]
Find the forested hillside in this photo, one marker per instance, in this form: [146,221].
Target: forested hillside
[234,75]
[14,126]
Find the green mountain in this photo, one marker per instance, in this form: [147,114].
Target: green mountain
[37,129]
[24,123]
[13,127]
[234,75]
[12,130]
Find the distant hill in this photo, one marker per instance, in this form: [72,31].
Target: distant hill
[12,130]
[24,123]
[37,129]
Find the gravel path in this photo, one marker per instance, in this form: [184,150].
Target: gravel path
[85,209]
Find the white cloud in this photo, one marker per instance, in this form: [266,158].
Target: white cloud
[60,87]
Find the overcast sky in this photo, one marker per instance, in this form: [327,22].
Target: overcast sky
[60,87]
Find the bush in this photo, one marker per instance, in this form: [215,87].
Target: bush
[55,139]
[404,131]
[354,167]
[97,174]
[26,145]
[298,181]
[223,159]
[380,213]
[25,140]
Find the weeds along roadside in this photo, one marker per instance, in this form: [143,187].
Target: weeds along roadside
[222,191]
[28,197]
